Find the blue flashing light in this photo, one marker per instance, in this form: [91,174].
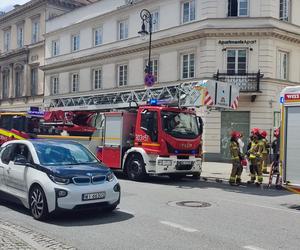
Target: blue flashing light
[153,102]
[176,152]
[193,152]
[281,99]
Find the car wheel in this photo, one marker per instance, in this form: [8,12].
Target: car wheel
[136,168]
[176,177]
[38,203]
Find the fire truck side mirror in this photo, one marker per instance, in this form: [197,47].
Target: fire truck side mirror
[201,125]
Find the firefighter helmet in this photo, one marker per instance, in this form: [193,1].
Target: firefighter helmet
[255,131]
[263,133]
[235,134]
[276,132]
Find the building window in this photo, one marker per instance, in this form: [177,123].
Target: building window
[55,48]
[34,81]
[5,79]
[74,82]
[75,42]
[18,83]
[155,21]
[123,29]
[6,40]
[97,78]
[153,68]
[187,66]
[236,61]
[20,36]
[237,7]
[35,31]
[54,85]
[284,10]
[122,75]
[188,11]
[98,36]
[283,65]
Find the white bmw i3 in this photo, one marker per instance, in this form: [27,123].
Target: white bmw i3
[49,175]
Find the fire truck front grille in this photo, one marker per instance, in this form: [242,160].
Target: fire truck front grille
[172,150]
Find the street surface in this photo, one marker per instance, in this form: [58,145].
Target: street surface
[151,216]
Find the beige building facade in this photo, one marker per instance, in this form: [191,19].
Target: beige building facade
[22,52]
[251,43]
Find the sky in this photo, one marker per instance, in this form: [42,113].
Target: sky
[7,5]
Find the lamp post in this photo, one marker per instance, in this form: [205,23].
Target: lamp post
[146,17]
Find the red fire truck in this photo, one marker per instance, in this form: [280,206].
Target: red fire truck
[152,139]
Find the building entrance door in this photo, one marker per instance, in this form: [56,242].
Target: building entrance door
[231,121]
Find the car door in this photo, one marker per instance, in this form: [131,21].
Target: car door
[6,156]
[16,173]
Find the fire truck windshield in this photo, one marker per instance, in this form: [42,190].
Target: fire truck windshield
[180,125]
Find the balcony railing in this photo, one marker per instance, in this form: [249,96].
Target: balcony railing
[248,82]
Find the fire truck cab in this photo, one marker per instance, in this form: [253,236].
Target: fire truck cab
[152,139]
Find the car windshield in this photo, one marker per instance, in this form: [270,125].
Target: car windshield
[59,153]
[180,125]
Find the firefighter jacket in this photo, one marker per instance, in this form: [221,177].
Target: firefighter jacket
[234,150]
[255,150]
[266,146]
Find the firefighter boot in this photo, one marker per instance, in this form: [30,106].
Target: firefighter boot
[232,181]
[238,180]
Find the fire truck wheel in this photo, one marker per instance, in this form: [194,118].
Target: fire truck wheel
[196,176]
[136,168]
[176,177]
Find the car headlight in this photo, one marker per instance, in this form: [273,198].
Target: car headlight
[110,176]
[59,180]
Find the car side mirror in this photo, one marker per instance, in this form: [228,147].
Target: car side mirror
[20,160]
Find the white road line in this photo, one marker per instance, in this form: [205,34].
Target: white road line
[171,224]
[253,248]
[262,206]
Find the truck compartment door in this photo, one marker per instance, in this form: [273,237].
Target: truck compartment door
[292,145]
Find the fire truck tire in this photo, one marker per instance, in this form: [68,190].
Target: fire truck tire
[176,177]
[135,168]
[196,176]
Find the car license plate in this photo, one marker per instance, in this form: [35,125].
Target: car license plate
[93,196]
[185,163]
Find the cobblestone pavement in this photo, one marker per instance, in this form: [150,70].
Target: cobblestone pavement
[17,237]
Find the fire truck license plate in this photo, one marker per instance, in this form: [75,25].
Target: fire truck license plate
[185,163]
[93,196]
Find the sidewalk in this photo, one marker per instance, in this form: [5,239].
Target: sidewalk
[221,171]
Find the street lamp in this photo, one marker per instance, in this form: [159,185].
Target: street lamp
[146,17]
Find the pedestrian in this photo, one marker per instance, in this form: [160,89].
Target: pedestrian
[241,143]
[255,155]
[236,171]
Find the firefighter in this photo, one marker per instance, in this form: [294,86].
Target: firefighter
[255,155]
[265,152]
[236,172]
[276,150]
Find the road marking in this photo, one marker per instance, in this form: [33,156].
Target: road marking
[261,206]
[171,224]
[253,248]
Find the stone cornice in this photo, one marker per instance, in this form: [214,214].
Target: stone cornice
[204,33]
[23,9]
[13,54]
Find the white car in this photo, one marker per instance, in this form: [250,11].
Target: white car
[49,175]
